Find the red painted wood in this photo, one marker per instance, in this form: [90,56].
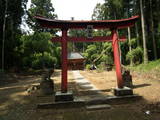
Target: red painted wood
[84,39]
[64,61]
[94,39]
[97,24]
[56,39]
[117,63]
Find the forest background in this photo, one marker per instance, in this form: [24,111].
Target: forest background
[23,50]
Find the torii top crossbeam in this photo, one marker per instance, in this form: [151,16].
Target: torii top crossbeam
[77,24]
[64,25]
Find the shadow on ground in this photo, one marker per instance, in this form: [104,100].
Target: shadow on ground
[16,104]
[141,85]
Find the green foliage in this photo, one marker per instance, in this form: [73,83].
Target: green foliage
[91,49]
[108,47]
[39,60]
[98,53]
[98,12]
[38,51]
[77,46]
[117,3]
[90,53]
[37,43]
[57,54]
[152,65]
[15,11]
[101,66]
[88,66]
[119,9]
[108,59]
[42,8]
[135,55]
[29,50]
[159,28]
[1,71]
[133,42]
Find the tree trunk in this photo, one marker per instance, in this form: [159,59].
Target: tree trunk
[145,54]
[137,35]
[43,63]
[73,47]
[4,29]
[120,51]
[130,47]
[152,30]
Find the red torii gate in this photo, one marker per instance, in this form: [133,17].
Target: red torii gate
[65,25]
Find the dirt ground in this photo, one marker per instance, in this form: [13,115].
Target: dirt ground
[17,104]
[143,84]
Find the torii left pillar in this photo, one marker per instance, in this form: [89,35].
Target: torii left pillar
[64,94]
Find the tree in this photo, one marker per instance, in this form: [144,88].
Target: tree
[130,47]
[135,55]
[13,18]
[77,46]
[98,12]
[4,28]
[42,8]
[152,30]
[38,50]
[143,34]
[97,53]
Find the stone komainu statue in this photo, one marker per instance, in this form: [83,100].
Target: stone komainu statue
[47,84]
[127,78]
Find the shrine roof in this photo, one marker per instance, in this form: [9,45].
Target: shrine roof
[74,55]
[81,24]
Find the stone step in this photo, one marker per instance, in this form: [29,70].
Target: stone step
[98,107]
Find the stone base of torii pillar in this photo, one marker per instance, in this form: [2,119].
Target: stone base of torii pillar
[123,91]
[63,97]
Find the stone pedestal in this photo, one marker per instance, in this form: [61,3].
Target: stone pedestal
[62,97]
[123,91]
[47,87]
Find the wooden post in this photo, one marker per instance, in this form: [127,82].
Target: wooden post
[117,58]
[64,61]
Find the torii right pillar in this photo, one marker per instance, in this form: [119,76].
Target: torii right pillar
[121,90]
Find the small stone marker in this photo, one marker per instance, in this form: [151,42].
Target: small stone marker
[98,107]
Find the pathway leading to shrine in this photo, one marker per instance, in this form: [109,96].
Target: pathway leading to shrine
[84,83]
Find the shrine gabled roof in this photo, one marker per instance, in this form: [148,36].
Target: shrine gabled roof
[75,55]
[80,24]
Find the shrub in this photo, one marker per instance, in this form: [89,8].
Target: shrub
[88,66]
[135,55]
[101,66]
[45,60]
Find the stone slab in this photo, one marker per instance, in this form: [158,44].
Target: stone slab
[60,96]
[112,100]
[62,105]
[123,91]
[98,107]
[81,103]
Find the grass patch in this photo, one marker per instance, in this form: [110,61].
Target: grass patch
[152,65]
